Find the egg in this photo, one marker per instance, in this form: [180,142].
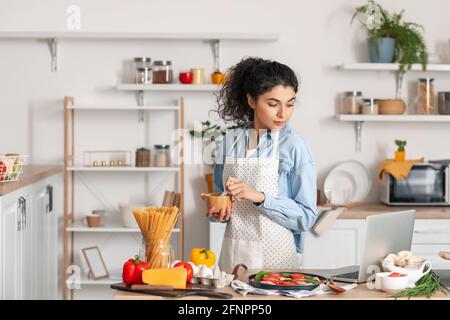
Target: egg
[205,272]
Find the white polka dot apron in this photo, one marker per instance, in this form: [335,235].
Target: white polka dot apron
[250,237]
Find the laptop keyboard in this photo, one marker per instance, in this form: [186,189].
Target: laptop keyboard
[350,275]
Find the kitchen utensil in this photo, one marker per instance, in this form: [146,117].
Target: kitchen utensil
[217,201]
[251,281]
[333,286]
[170,288]
[175,293]
[360,176]
[444,255]
[343,187]
[444,102]
[391,106]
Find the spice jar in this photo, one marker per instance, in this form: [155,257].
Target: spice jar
[426,96]
[162,71]
[143,75]
[142,62]
[369,106]
[351,102]
[198,76]
[142,157]
[162,155]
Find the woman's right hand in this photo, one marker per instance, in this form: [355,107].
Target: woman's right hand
[223,215]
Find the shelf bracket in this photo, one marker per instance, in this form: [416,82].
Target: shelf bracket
[140,101]
[54,51]
[216,53]
[398,93]
[358,132]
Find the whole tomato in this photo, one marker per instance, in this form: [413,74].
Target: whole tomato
[188,267]
[132,271]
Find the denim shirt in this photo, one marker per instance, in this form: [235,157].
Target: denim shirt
[295,206]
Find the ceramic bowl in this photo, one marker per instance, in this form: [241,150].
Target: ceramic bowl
[218,202]
[413,274]
[391,106]
[389,284]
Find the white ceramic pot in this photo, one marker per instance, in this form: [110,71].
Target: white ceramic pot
[390,284]
[126,214]
[413,274]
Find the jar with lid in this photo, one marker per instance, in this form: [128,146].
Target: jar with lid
[369,106]
[143,75]
[162,155]
[162,71]
[142,157]
[142,62]
[426,104]
[351,102]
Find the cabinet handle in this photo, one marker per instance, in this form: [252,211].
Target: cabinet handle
[21,224]
[24,208]
[432,231]
[49,205]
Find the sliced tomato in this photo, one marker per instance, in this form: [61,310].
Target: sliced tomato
[286,283]
[297,276]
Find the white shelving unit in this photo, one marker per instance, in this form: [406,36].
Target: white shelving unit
[358,120]
[168,87]
[72,227]
[53,37]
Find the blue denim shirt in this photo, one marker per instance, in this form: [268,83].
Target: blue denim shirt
[295,206]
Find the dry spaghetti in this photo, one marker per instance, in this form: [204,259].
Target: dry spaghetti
[156,225]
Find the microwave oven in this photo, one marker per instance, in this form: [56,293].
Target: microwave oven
[427,184]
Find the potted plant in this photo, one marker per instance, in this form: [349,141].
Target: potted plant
[390,38]
[400,153]
[210,133]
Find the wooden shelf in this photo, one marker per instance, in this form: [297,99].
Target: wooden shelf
[124,169]
[168,87]
[392,67]
[392,118]
[124,108]
[138,35]
[77,227]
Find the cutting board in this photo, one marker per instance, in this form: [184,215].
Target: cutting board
[174,293]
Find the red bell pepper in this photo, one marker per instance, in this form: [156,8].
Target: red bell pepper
[132,271]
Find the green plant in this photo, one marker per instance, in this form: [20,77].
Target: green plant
[410,45]
[425,286]
[209,133]
[400,145]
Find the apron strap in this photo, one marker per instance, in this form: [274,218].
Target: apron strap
[275,144]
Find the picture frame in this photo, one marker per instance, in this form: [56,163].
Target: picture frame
[95,262]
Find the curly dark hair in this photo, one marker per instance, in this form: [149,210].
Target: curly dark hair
[253,76]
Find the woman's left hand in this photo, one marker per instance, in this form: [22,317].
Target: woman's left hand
[241,190]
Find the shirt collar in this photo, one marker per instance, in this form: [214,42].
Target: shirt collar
[270,133]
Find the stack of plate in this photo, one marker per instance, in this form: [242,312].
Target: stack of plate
[348,182]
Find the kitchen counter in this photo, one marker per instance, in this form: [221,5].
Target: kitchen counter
[362,211]
[30,175]
[361,292]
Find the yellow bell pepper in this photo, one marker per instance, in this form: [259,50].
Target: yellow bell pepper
[202,256]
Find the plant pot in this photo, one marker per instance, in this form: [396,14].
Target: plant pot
[210,180]
[391,106]
[400,156]
[381,50]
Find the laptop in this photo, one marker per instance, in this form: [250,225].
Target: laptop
[385,233]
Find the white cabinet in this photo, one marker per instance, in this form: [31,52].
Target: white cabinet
[28,242]
[341,246]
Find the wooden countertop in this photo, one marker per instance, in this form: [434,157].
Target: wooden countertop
[362,211]
[30,175]
[361,292]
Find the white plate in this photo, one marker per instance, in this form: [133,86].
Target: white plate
[342,186]
[359,174]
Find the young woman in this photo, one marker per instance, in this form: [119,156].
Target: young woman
[265,166]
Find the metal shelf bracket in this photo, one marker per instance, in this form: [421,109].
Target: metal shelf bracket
[358,133]
[216,53]
[54,51]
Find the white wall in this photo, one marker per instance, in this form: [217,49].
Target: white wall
[315,36]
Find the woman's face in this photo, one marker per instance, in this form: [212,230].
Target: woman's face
[274,108]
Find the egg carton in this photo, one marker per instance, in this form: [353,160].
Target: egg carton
[220,282]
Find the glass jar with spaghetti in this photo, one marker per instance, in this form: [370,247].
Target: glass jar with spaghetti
[426,96]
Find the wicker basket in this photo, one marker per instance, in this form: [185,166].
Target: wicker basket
[11,167]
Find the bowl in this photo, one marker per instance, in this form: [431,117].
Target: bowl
[391,106]
[386,283]
[413,274]
[218,202]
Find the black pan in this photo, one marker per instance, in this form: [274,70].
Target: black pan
[251,281]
